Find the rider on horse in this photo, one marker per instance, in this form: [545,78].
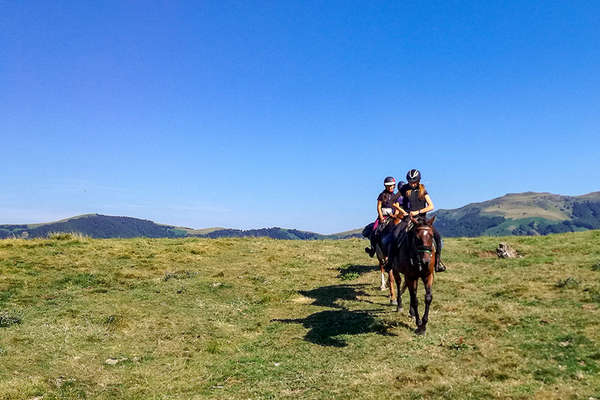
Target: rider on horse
[417,203]
[385,209]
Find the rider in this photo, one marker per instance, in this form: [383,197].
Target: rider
[417,202]
[385,208]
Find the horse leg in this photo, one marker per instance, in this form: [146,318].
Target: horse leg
[398,281]
[381,259]
[428,282]
[382,287]
[392,285]
[414,302]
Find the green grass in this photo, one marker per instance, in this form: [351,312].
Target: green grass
[266,319]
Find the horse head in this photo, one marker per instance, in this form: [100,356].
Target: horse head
[423,245]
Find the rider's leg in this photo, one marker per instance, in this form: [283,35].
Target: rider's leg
[371,250]
[376,234]
[439,267]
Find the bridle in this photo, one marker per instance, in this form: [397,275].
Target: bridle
[421,249]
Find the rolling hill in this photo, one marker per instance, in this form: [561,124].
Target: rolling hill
[521,214]
[96,226]
[106,226]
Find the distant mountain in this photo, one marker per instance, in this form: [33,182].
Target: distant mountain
[105,226]
[96,226]
[522,214]
[513,214]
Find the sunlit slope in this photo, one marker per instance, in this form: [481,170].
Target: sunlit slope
[260,318]
[523,214]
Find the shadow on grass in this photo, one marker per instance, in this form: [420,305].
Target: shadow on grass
[325,326]
[327,296]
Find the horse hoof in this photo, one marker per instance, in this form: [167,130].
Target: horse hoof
[382,288]
[420,331]
[399,308]
[394,302]
[411,313]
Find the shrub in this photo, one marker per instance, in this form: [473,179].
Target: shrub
[67,236]
[7,319]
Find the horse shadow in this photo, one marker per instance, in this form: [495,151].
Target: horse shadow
[350,270]
[327,296]
[326,327]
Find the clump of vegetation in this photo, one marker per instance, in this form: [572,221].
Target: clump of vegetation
[568,283]
[348,276]
[67,236]
[596,267]
[348,272]
[8,318]
[179,275]
[114,321]
[82,280]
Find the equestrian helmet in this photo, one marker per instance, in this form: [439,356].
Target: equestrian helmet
[413,176]
[389,181]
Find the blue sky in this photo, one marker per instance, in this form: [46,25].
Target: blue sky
[290,113]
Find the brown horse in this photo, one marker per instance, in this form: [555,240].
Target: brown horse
[382,258]
[416,260]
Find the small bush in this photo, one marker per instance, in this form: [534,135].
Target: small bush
[349,276]
[349,272]
[114,321]
[568,283]
[67,236]
[84,280]
[179,275]
[7,319]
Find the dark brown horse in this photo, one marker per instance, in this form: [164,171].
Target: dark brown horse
[382,258]
[416,260]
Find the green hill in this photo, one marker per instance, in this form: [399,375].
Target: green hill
[106,226]
[96,226]
[522,214]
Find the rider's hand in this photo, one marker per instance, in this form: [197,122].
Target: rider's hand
[414,213]
[381,219]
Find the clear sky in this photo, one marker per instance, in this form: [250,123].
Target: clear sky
[250,114]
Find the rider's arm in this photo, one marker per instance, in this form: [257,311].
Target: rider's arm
[379,210]
[400,209]
[426,209]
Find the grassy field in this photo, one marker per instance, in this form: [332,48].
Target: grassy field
[266,319]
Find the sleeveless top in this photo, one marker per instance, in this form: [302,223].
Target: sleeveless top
[411,199]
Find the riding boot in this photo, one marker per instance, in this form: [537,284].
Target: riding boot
[439,265]
[371,250]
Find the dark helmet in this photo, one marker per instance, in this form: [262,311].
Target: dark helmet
[400,184]
[389,181]
[413,176]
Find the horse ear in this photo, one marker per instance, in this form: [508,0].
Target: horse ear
[430,222]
